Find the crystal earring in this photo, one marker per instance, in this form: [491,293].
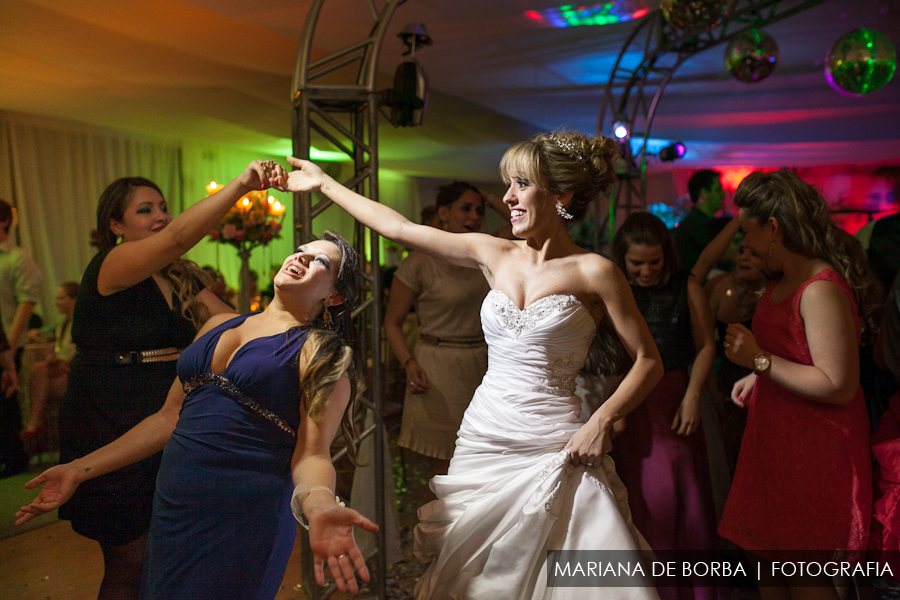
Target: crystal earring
[771,246]
[561,211]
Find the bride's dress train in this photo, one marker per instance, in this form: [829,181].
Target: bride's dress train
[511,494]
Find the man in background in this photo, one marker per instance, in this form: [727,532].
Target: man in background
[691,236]
[20,283]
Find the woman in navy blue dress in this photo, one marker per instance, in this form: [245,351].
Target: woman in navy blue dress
[247,428]
[138,306]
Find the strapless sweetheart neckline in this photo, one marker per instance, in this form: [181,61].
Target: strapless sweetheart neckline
[539,302]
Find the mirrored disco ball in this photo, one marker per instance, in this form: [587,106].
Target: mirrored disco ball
[693,15]
[751,56]
[860,62]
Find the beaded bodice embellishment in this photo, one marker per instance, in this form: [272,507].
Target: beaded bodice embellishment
[562,369]
[233,392]
[518,321]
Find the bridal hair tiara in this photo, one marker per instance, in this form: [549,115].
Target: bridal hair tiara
[567,147]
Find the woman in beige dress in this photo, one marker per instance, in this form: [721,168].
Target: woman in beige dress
[450,359]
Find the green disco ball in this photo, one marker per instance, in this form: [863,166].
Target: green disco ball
[860,62]
[693,15]
[751,56]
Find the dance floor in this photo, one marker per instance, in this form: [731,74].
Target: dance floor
[48,561]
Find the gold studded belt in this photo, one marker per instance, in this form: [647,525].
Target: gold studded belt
[460,342]
[129,358]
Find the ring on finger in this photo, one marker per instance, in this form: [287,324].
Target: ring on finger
[726,345]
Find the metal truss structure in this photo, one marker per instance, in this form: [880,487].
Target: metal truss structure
[346,115]
[635,87]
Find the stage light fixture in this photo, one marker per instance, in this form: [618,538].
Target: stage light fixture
[408,98]
[672,152]
[414,36]
[620,131]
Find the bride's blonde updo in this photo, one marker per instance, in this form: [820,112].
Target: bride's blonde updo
[562,162]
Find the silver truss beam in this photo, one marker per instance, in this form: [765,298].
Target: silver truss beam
[632,93]
[346,115]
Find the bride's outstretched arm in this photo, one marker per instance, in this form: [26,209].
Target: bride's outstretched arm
[464,249]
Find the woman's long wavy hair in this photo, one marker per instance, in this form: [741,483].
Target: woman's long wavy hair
[809,231]
[330,352]
[182,274]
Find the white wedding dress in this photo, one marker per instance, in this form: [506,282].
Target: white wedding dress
[511,494]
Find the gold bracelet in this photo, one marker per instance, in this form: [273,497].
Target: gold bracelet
[407,362]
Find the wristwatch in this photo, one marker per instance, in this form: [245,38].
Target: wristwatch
[762,363]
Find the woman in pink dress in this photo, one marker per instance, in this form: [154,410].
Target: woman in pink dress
[803,485]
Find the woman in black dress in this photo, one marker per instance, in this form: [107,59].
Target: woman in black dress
[139,304]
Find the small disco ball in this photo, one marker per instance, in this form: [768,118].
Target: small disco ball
[860,62]
[751,56]
[693,15]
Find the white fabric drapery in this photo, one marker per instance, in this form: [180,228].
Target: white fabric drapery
[53,173]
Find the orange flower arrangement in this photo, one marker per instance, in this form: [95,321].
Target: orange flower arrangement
[254,220]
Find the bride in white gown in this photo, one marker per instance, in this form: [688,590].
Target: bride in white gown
[528,475]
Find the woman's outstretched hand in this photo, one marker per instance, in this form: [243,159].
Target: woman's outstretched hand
[306,177]
[331,539]
[262,175]
[59,484]
[589,444]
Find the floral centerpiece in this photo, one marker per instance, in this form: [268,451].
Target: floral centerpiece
[254,220]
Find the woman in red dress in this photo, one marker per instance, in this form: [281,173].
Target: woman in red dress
[803,484]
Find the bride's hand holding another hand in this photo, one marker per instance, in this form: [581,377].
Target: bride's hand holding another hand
[590,443]
[306,176]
